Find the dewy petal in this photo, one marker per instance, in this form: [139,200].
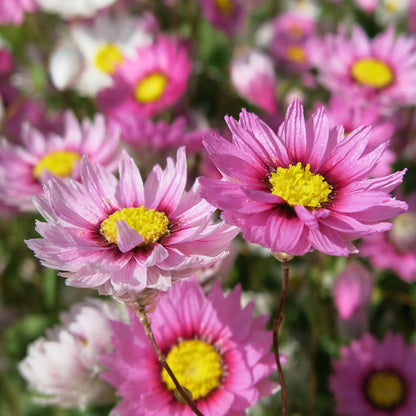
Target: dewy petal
[127,237]
[293,133]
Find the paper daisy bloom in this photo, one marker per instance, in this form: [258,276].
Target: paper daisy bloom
[13,11]
[150,82]
[126,238]
[381,70]
[253,76]
[303,188]
[216,349]
[375,378]
[24,169]
[64,367]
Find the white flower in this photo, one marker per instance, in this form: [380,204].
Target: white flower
[64,367]
[74,8]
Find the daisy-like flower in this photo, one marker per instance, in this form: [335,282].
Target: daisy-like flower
[74,8]
[381,70]
[126,238]
[24,169]
[303,188]
[375,378]
[216,349]
[395,249]
[13,11]
[64,367]
[104,45]
[151,81]
[227,15]
[253,76]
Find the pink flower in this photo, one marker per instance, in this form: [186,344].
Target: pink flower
[303,188]
[227,15]
[380,70]
[65,366]
[23,170]
[375,378]
[227,349]
[395,249]
[13,11]
[149,83]
[352,290]
[126,238]
[252,74]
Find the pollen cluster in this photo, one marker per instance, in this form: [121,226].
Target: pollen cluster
[196,365]
[107,57]
[297,185]
[372,72]
[385,389]
[151,87]
[152,225]
[226,7]
[59,163]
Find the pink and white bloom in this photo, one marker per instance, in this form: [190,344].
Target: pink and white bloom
[13,11]
[253,76]
[395,249]
[224,345]
[375,378]
[380,70]
[303,188]
[64,367]
[226,15]
[24,169]
[126,238]
[150,82]
[352,290]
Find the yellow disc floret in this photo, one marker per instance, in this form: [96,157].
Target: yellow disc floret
[107,57]
[296,54]
[196,365]
[60,163]
[372,72]
[226,7]
[152,225]
[151,87]
[297,185]
[385,389]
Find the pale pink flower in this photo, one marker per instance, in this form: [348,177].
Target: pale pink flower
[199,332]
[303,188]
[64,367]
[352,290]
[253,76]
[150,82]
[126,238]
[375,378]
[13,11]
[24,169]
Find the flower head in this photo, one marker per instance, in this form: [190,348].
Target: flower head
[305,187]
[23,170]
[64,367]
[216,349]
[126,238]
[151,81]
[375,378]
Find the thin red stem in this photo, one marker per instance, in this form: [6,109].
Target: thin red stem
[278,319]
[144,319]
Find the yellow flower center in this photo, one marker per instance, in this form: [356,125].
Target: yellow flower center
[196,365]
[385,389]
[295,31]
[152,225]
[296,54]
[226,7]
[59,163]
[151,87]
[297,185]
[107,57]
[372,72]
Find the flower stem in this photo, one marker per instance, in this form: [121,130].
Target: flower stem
[145,321]
[278,319]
